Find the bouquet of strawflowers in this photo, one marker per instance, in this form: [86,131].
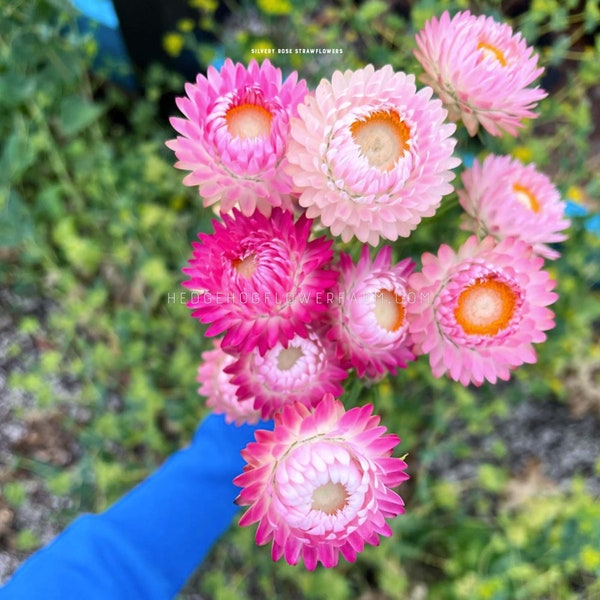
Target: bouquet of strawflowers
[364,156]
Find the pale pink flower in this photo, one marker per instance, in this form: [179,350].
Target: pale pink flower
[369,322]
[371,156]
[480,69]
[505,198]
[320,483]
[220,393]
[260,280]
[234,135]
[479,310]
[302,371]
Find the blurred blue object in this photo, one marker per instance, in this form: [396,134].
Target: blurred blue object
[147,544]
[591,223]
[101,11]
[100,18]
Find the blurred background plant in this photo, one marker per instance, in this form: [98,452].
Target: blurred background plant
[98,354]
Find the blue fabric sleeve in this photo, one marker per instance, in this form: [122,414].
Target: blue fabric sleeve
[147,544]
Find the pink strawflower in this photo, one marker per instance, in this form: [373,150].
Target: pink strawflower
[369,323]
[371,156]
[303,371]
[259,279]
[220,393]
[505,198]
[480,69]
[320,483]
[234,135]
[479,310]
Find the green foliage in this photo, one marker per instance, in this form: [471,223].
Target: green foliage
[95,220]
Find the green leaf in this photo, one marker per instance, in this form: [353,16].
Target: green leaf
[16,224]
[77,113]
[371,10]
[18,154]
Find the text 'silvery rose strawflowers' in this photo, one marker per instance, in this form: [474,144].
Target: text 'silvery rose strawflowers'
[503,197]
[220,393]
[320,483]
[487,306]
[260,280]
[304,371]
[369,323]
[481,70]
[371,156]
[234,135]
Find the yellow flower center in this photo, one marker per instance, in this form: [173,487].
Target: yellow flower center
[525,197]
[245,266]
[486,307]
[382,137]
[489,51]
[288,357]
[248,121]
[329,498]
[389,310]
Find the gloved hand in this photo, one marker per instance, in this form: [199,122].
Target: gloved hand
[149,542]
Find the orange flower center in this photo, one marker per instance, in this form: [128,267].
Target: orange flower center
[489,51]
[248,121]
[382,137]
[486,307]
[245,266]
[525,197]
[329,498]
[288,357]
[389,310]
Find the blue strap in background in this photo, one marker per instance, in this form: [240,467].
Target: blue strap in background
[148,544]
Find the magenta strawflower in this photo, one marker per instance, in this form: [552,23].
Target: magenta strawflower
[320,483]
[220,393]
[480,309]
[234,135]
[303,371]
[505,198]
[481,70]
[371,156]
[260,280]
[369,322]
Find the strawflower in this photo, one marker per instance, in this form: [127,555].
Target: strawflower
[303,371]
[369,323]
[220,392]
[503,197]
[369,155]
[260,280]
[481,309]
[481,70]
[234,136]
[320,483]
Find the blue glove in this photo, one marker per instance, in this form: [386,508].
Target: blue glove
[147,544]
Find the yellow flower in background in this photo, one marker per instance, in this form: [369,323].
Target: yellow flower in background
[207,6]
[275,7]
[173,43]
[575,193]
[522,153]
[185,25]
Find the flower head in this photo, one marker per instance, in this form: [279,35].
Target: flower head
[320,483]
[506,198]
[480,69]
[260,280]
[487,305]
[369,324]
[302,371]
[371,156]
[234,135]
[220,393]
